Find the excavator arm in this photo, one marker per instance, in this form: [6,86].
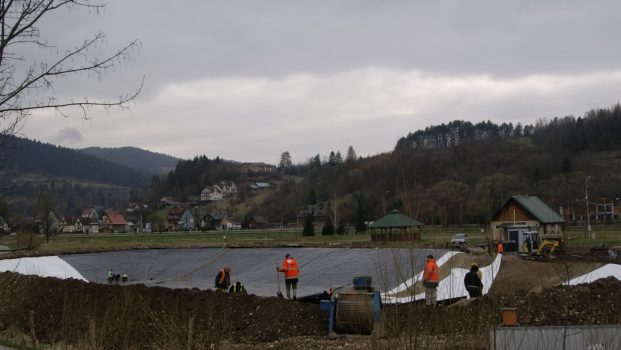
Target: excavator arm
[547,246]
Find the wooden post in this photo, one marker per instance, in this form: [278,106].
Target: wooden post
[33,333]
[190,331]
[92,333]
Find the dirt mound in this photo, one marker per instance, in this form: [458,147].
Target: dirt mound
[135,316]
[536,275]
[467,324]
[585,304]
[95,316]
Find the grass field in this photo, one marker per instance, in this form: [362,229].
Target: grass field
[604,235]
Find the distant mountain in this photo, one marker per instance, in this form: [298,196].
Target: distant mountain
[24,156]
[138,159]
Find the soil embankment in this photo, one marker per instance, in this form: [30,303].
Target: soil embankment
[96,316]
[139,317]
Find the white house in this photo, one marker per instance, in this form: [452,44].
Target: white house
[212,193]
[218,191]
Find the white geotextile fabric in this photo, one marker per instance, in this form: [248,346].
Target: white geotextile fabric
[450,287]
[45,266]
[608,270]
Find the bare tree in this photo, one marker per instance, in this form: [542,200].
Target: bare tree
[26,83]
[44,210]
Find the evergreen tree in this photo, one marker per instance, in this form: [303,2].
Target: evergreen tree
[338,158]
[328,228]
[351,155]
[332,158]
[316,162]
[285,161]
[309,229]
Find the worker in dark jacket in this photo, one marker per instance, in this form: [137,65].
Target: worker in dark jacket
[473,283]
[223,279]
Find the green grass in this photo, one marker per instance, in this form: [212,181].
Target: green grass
[15,346]
[605,235]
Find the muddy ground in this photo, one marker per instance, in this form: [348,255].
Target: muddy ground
[74,314]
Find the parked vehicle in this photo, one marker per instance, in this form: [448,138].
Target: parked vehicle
[459,239]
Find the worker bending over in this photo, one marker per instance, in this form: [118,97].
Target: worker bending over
[237,287]
[292,271]
[223,279]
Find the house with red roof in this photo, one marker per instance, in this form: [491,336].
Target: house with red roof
[113,222]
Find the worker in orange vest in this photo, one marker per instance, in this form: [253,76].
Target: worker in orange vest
[223,279]
[500,248]
[431,279]
[292,272]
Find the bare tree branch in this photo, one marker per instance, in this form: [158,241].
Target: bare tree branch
[18,29]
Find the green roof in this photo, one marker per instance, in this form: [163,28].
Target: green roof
[539,209]
[395,219]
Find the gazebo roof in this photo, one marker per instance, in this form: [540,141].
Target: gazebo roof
[395,219]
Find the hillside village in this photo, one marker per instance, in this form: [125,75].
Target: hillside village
[461,178]
[190,215]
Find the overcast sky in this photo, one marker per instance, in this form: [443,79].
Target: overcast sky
[247,80]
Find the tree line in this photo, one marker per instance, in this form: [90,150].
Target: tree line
[461,173]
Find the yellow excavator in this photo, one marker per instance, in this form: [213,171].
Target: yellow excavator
[545,248]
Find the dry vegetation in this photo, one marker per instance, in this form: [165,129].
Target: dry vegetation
[74,314]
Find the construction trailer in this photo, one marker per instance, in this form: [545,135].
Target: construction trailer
[525,240]
[520,237]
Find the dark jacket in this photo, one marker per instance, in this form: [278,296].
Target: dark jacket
[472,280]
[223,280]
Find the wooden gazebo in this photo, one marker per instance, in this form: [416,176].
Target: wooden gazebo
[395,227]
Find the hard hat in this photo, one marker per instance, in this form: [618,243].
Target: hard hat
[474,264]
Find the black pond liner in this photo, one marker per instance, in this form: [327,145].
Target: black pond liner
[320,268]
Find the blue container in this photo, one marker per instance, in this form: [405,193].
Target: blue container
[363,282]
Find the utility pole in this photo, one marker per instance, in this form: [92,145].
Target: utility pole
[586,200]
[335,221]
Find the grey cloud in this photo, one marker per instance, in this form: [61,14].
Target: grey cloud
[67,136]
[271,38]
[242,42]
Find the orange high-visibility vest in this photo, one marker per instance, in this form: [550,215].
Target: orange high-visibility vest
[290,268]
[431,272]
[222,276]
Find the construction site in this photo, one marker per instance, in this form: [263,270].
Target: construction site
[168,302]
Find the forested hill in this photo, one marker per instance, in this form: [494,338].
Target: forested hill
[20,155]
[138,159]
[597,130]
[455,173]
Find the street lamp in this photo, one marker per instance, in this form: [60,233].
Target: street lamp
[384,201]
[586,200]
